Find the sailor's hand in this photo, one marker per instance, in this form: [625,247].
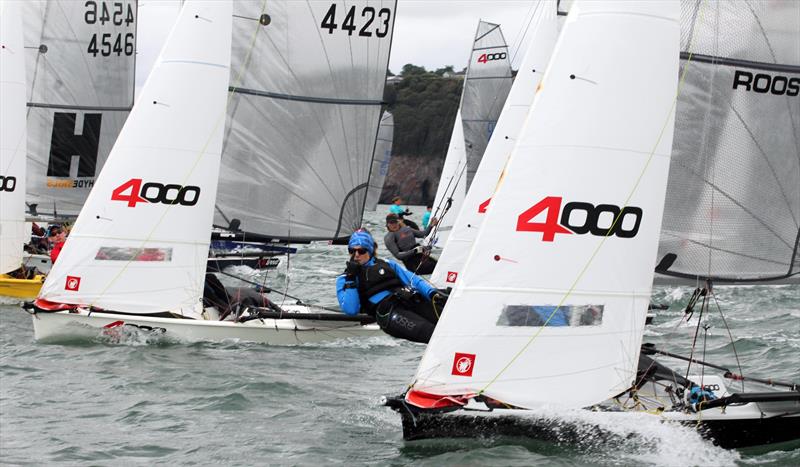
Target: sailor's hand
[352,269]
[433,222]
[407,212]
[419,249]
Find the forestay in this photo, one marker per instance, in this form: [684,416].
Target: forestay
[452,187]
[596,143]
[544,32]
[733,204]
[308,80]
[141,241]
[12,137]
[381,160]
[80,59]
[486,87]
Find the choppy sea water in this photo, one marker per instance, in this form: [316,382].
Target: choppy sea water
[146,401]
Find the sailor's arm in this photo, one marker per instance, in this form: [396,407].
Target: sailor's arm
[347,294]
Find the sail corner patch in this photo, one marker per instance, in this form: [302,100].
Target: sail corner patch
[452,276]
[463,363]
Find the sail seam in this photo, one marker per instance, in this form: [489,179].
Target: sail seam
[319,100]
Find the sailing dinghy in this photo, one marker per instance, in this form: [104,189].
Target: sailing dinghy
[486,86]
[137,254]
[467,211]
[550,308]
[12,157]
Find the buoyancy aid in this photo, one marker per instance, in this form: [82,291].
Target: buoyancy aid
[376,278]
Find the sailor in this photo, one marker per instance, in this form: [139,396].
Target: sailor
[57,237]
[404,305]
[401,241]
[401,212]
[426,218]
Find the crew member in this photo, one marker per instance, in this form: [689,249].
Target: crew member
[401,241]
[401,212]
[56,238]
[404,305]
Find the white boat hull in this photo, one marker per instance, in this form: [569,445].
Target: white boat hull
[54,326]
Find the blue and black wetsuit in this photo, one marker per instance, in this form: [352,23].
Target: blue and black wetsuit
[398,299]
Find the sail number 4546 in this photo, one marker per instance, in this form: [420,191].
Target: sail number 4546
[365,20]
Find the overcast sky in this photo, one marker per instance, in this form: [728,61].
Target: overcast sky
[430,33]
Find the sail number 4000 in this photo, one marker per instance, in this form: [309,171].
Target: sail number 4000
[566,224]
[367,17]
[491,57]
[134,191]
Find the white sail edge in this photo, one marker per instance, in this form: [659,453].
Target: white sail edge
[140,243]
[544,33]
[12,137]
[600,122]
[452,185]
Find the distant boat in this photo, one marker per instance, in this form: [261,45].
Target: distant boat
[466,217]
[137,254]
[550,310]
[486,86]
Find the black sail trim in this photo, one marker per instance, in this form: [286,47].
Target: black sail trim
[318,100]
[78,107]
[743,63]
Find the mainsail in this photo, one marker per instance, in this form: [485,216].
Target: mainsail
[549,298]
[80,59]
[380,161]
[472,211]
[733,204]
[12,137]
[486,86]
[308,80]
[140,243]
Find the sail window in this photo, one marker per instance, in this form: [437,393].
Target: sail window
[111,253]
[551,315]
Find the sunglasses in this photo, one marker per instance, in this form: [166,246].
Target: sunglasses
[358,251]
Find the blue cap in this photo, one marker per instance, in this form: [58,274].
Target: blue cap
[362,239]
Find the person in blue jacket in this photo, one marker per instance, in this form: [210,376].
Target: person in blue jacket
[403,304]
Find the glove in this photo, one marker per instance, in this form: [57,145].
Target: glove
[352,269]
[439,299]
[418,249]
[407,212]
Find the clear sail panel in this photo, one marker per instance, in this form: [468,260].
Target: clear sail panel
[381,160]
[733,202]
[308,81]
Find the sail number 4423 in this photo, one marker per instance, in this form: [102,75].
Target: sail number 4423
[365,20]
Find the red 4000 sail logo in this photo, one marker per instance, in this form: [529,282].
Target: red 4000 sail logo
[134,191]
[566,223]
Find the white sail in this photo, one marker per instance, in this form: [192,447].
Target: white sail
[544,32]
[452,185]
[486,87]
[733,204]
[308,81]
[141,241]
[80,59]
[12,137]
[546,301]
[380,161]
